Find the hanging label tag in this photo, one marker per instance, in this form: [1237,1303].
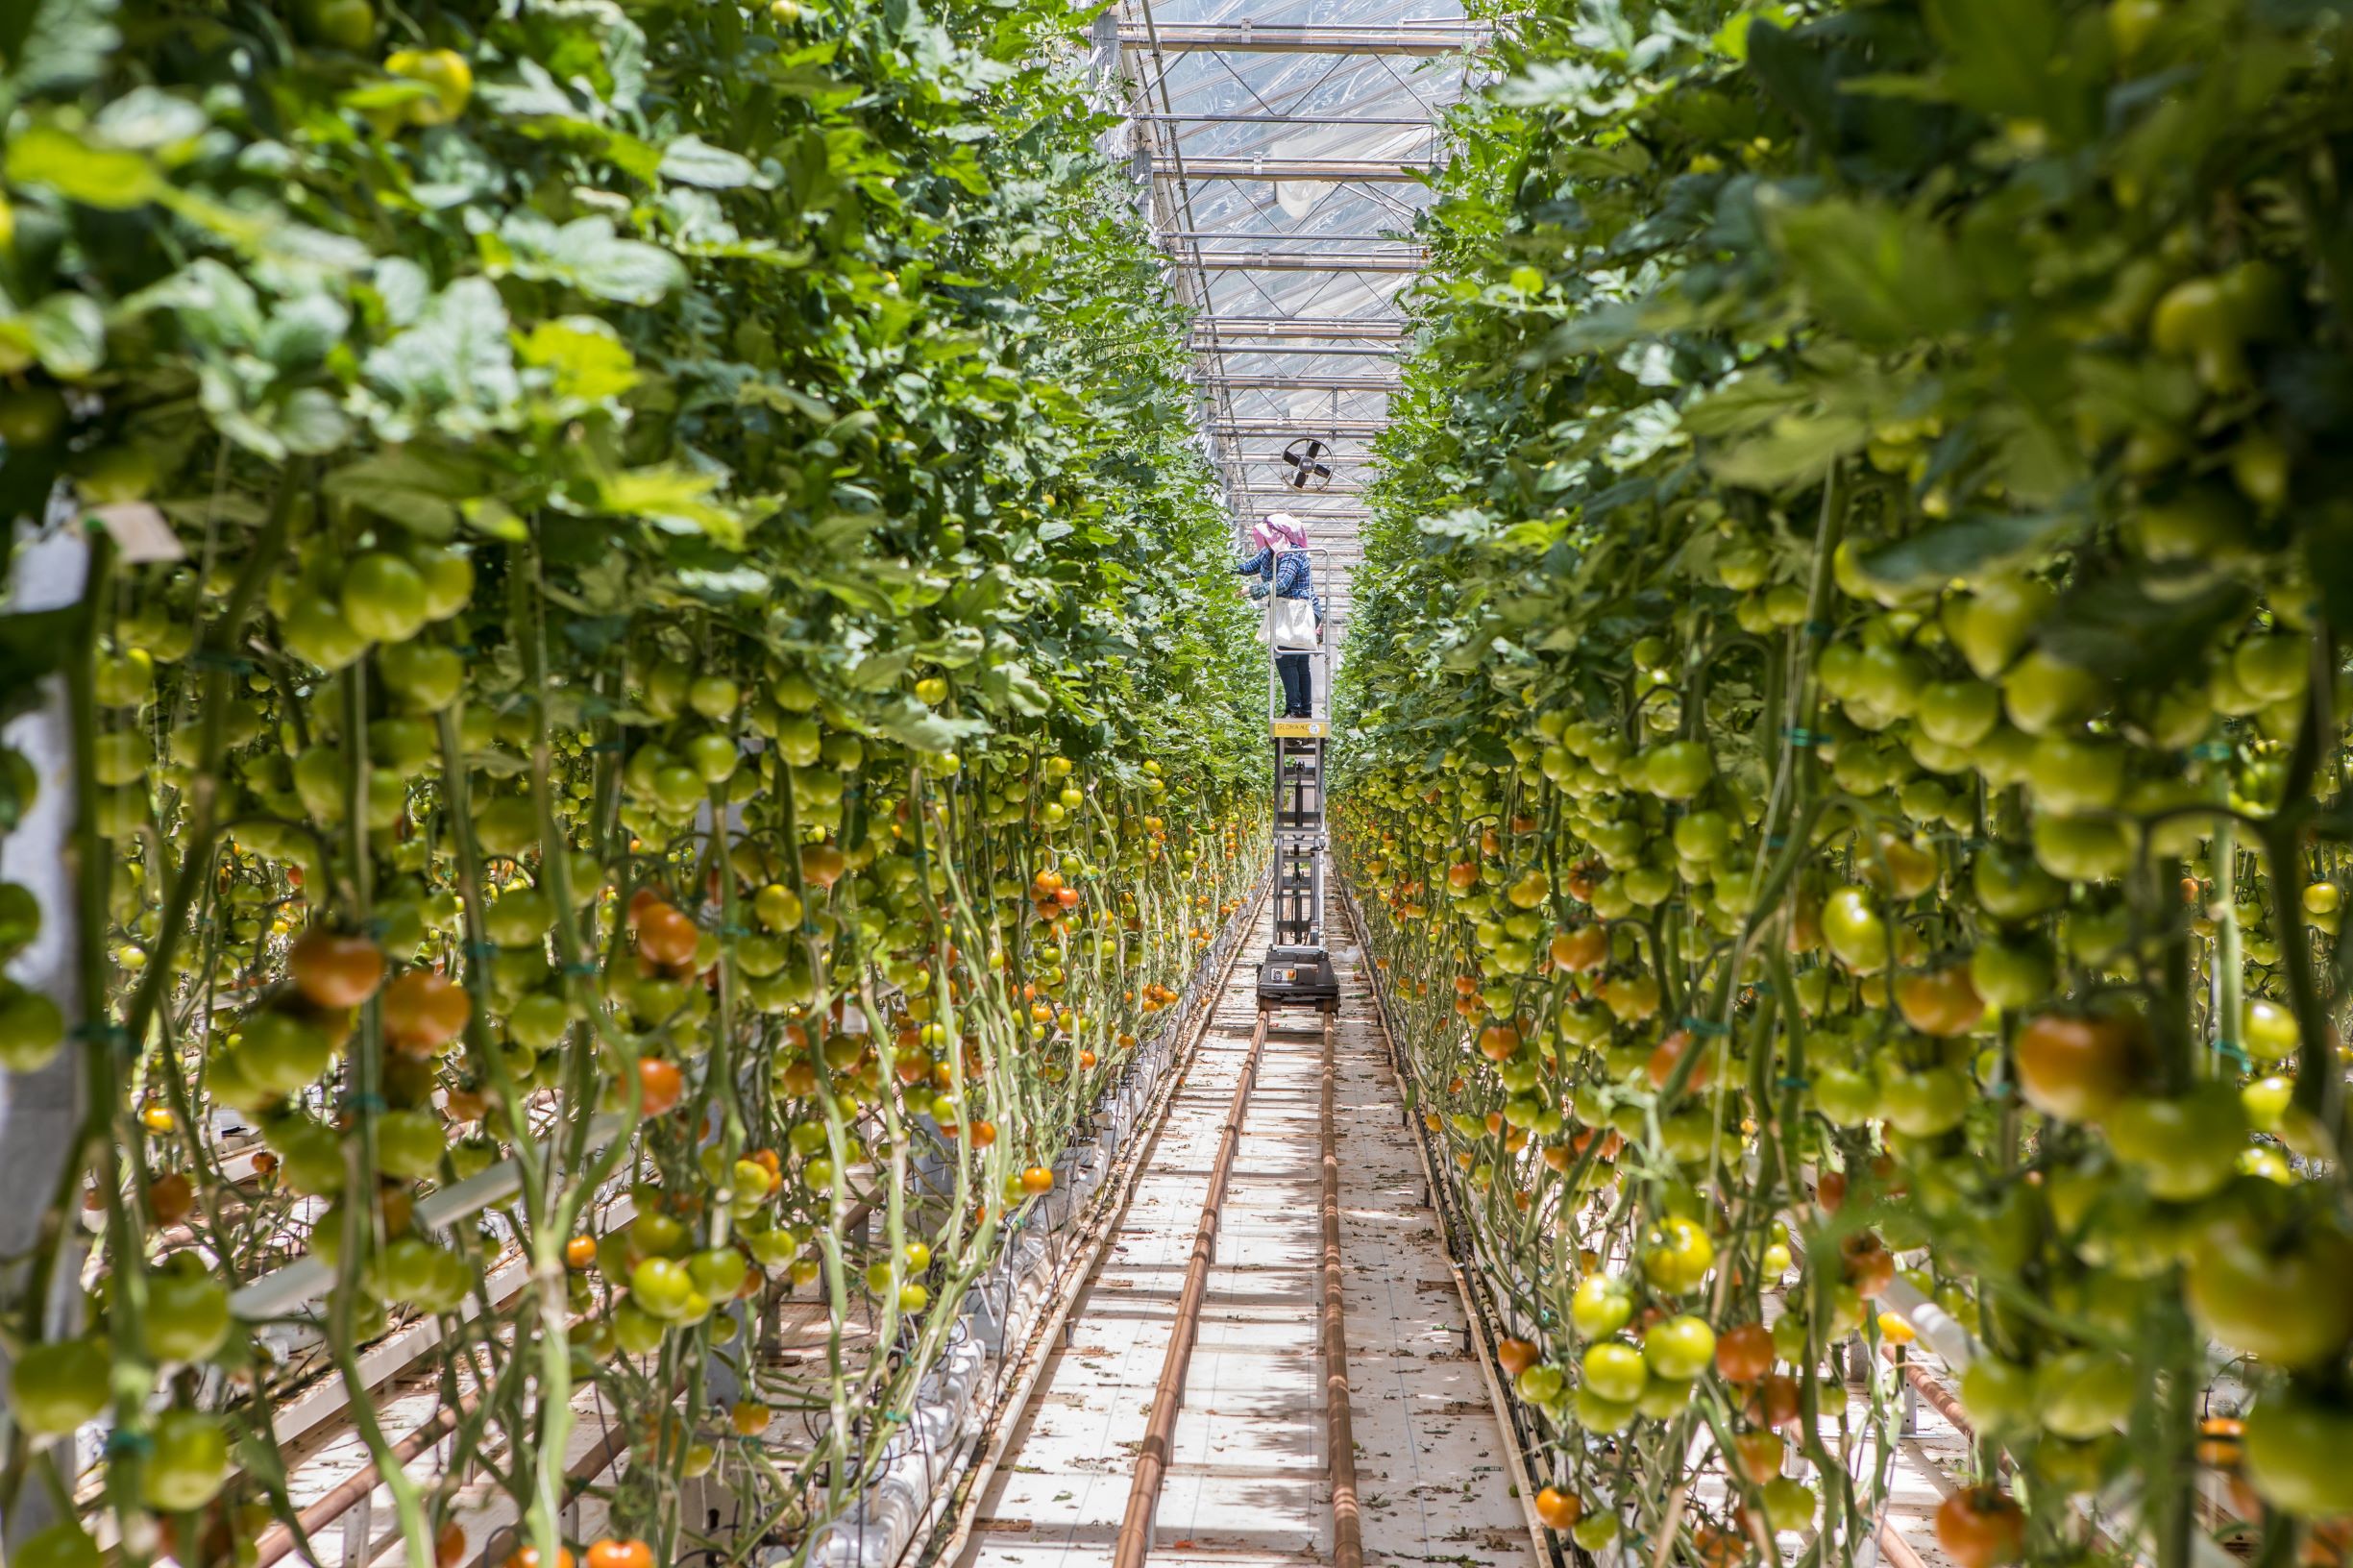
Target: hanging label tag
[140,533]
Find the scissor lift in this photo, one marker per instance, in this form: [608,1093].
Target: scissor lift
[1298,968]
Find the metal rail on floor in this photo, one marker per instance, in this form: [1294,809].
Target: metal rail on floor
[1168,1395]
[1137,1155]
[1347,1523]
[1135,1543]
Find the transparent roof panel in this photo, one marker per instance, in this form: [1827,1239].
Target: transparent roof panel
[1276,148]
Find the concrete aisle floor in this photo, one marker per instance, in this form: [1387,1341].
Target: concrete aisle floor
[1247,1471]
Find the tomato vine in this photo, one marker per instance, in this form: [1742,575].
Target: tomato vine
[1848,734]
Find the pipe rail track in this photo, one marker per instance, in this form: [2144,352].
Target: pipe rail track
[1136,1528]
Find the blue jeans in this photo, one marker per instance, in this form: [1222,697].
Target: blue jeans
[1298,684]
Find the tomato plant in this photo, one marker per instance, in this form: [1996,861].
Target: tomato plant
[1846,747]
[676,644]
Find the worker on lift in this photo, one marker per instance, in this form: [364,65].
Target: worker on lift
[1281,565]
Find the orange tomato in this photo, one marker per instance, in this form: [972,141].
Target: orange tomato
[333,970]
[659,1086]
[423,1011]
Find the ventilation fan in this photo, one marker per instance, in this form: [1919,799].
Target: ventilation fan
[1307,473]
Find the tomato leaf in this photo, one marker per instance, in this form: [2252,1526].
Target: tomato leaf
[1967,547]
[586,254]
[1881,275]
[2135,626]
[69,335]
[113,179]
[690,161]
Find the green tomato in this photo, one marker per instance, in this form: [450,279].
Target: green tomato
[2085,1393]
[1679,770]
[408,1144]
[1615,1371]
[282,1053]
[1601,1305]
[1852,926]
[1677,1255]
[382,597]
[187,1314]
[32,1028]
[1846,1096]
[59,1545]
[2297,1442]
[1999,1397]
[637,1331]
[189,1461]
[718,1272]
[310,1156]
[54,1389]
[661,1288]
[1925,1104]
[424,677]
[339,24]
[713,756]
[2181,1148]
[2287,1301]
[1680,1348]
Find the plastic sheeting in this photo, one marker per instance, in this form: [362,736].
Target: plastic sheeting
[1374,108]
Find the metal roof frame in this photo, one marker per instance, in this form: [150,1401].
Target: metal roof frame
[1283,150]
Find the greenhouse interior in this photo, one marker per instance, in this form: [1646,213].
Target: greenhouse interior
[974,784]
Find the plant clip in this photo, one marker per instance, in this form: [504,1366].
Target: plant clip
[2212,751]
[101,1033]
[1703,1026]
[736,931]
[120,1442]
[366,1105]
[604,747]
[1791,1080]
[1818,628]
[480,952]
[1802,737]
[585,972]
[2231,1051]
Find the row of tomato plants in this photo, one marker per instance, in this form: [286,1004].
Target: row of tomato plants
[1845,763]
[647,616]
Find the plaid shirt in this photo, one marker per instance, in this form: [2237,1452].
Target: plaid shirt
[1289,573]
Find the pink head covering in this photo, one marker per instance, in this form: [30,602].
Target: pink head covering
[1262,535]
[1282,526]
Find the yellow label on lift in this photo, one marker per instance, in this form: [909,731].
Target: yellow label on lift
[1301,729]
